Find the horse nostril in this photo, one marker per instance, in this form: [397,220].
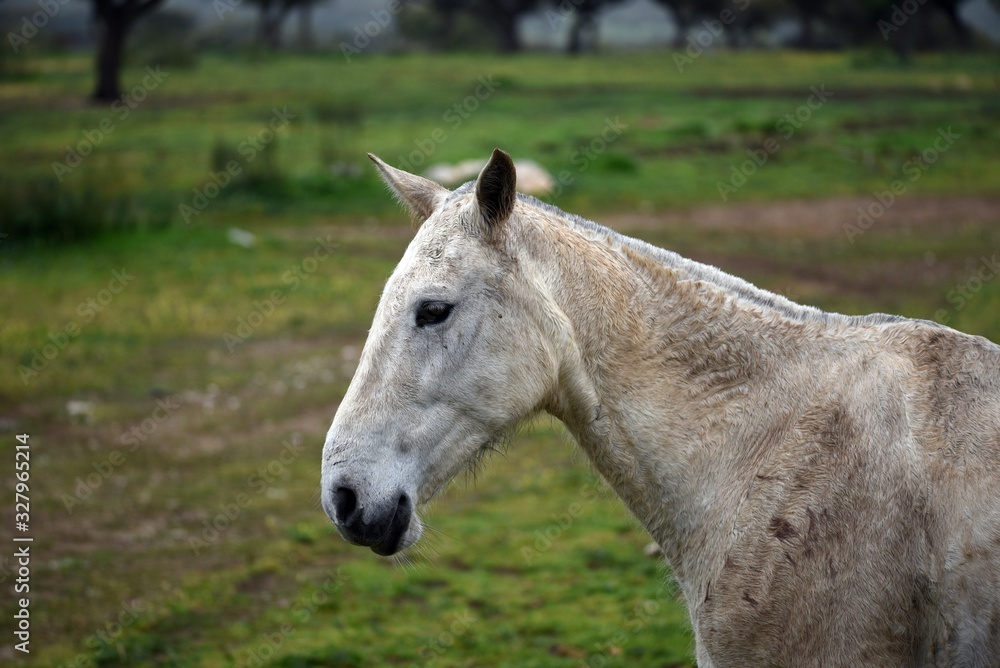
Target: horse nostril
[345,502]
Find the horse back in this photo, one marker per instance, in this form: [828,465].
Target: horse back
[871,527]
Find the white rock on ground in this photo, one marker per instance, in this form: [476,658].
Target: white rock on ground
[532,178]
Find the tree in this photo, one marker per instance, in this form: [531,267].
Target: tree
[448,11]
[272,17]
[498,16]
[503,16]
[271,20]
[114,19]
[961,32]
[809,12]
[686,13]
[585,23]
[307,41]
[905,28]
[755,18]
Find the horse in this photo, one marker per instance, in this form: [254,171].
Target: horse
[824,487]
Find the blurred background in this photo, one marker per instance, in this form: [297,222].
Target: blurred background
[192,245]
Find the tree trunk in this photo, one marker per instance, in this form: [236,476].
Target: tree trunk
[963,35]
[272,33]
[446,33]
[681,22]
[807,40]
[264,24]
[272,18]
[109,58]
[901,41]
[114,20]
[306,41]
[583,24]
[507,30]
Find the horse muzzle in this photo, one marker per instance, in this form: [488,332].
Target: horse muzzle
[380,526]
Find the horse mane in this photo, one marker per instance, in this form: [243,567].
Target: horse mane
[697,271]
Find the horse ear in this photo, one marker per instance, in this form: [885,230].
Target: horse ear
[496,190]
[421,196]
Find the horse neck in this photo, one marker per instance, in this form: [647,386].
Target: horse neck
[656,369]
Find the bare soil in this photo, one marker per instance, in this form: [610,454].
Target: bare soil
[823,217]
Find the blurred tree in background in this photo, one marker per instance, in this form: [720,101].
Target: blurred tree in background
[904,27]
[307,41]
[502,16]
[114,19]
[166,37]
[450,24]
[687,14]
[824,24]
[584,26]
[448,10]
[272,17]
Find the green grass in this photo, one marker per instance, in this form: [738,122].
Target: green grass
[181,421]
[543,107]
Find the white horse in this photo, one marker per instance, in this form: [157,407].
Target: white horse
[825,488]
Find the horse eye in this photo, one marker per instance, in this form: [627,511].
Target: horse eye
[433,313]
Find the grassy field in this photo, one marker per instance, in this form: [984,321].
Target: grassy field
[177,380]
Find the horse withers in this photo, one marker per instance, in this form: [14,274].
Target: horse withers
[824,487]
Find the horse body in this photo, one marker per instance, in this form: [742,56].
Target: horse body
[822,486]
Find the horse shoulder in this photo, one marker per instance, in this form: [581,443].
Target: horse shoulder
[858,497]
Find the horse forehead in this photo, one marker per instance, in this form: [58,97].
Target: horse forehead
[440,250]
[431,261]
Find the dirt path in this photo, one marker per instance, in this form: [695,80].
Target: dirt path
[823,217]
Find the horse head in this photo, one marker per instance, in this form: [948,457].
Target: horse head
[458,355]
